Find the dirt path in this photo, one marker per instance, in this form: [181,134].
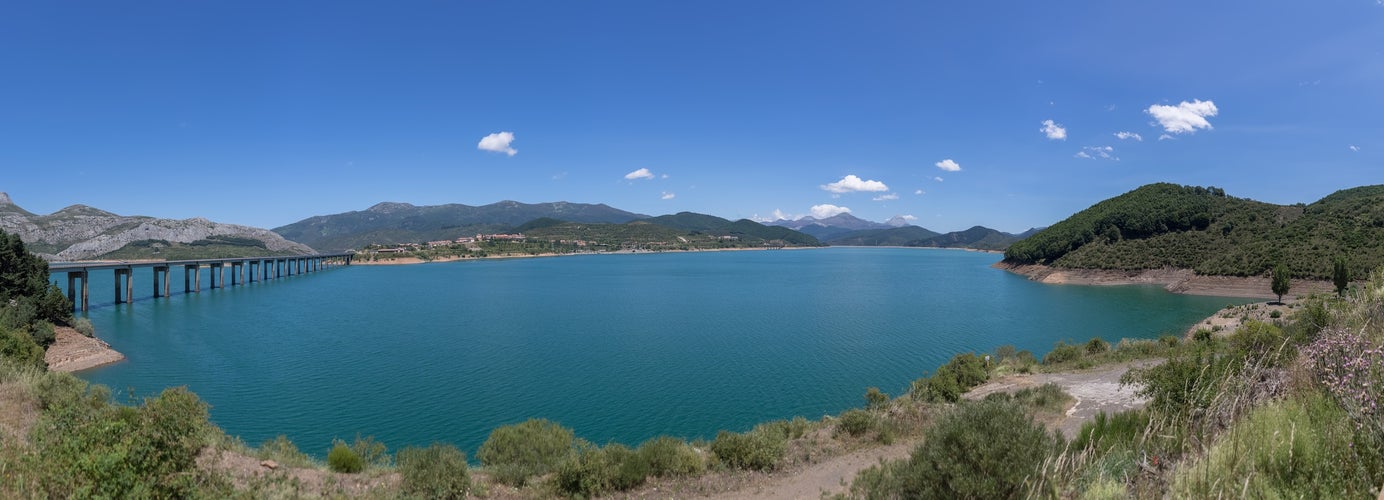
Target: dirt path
[825,478]
[1095,391]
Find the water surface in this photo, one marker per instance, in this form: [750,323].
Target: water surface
[618,347]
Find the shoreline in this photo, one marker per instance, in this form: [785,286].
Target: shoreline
[72,352]
[1180,281]
[414,260]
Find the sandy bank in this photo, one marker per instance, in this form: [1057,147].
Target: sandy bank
[74,352]
[1173,280]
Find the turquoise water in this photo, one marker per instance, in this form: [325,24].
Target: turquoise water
[618,347]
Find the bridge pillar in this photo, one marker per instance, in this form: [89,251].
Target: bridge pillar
[73,276]
[160,291]
[189,270]
[217,275]
[235,266]
[124,277]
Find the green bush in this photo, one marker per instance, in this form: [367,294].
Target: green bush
[1049,397]
[986,449]
[517,452]
[438,471]
[283,451]
[372,452]
[1203,335]
[874,399]
[953,379]
[855,422]
[1169,341]
[754,450]
[20,348]
[669,456]
[85,447]
[1062,353]
[42,333]
[84,327]
[593,471]
[343,459]
[1097,346]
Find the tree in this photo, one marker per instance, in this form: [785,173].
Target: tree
[1340,275]
[1281,280]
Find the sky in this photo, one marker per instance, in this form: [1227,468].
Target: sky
[1009,115]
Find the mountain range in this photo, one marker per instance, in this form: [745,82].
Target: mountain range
[849,230]
[80,232]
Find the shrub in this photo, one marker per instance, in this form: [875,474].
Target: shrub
[84,327]
[438,471]
[986,449]
[855,422]
[593,471]
[372,452]
[874,399]
[520,451]
[1049,397]
[1141,348]
[343,459]
[1097,346]
[20,348]
[953,379]
[754,450]
[90,448]
[1275,314]
[668,456]
[283,451]
[1203,335]
[1062,353]
[1169,341]
[43,334]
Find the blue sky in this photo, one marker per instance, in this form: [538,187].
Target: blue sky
[265,113]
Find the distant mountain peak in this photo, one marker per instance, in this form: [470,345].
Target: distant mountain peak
[389,206]
[5,198]
[82,210]
[899,221]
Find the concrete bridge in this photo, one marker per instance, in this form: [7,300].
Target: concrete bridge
[259,268]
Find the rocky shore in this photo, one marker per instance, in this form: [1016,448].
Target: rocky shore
[73,351]
[1174,280]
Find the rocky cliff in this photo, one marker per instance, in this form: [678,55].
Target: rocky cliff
[80,232]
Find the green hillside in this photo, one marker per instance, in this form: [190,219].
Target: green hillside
[978,237]
[681,231]
[1167,225]
[391,223]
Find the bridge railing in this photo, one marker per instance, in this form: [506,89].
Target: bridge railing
[243,270]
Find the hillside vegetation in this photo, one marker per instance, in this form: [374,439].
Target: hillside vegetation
[978,237]
[393,223]
[1203,229]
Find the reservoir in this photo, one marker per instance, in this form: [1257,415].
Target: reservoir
[619,348]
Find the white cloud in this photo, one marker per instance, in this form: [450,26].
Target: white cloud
[667,196]
[664,176]
[1185,117]
[1054,131]
[851,183]
[948,165]
[1164,137]
[938,179]
[498,142]
[642,173]
[886,197]
[1098,152]
[909,218]
[1352,146]
[1129,135]
[919,192]
[823,211]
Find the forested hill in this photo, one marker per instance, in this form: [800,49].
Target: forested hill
[1167,225]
